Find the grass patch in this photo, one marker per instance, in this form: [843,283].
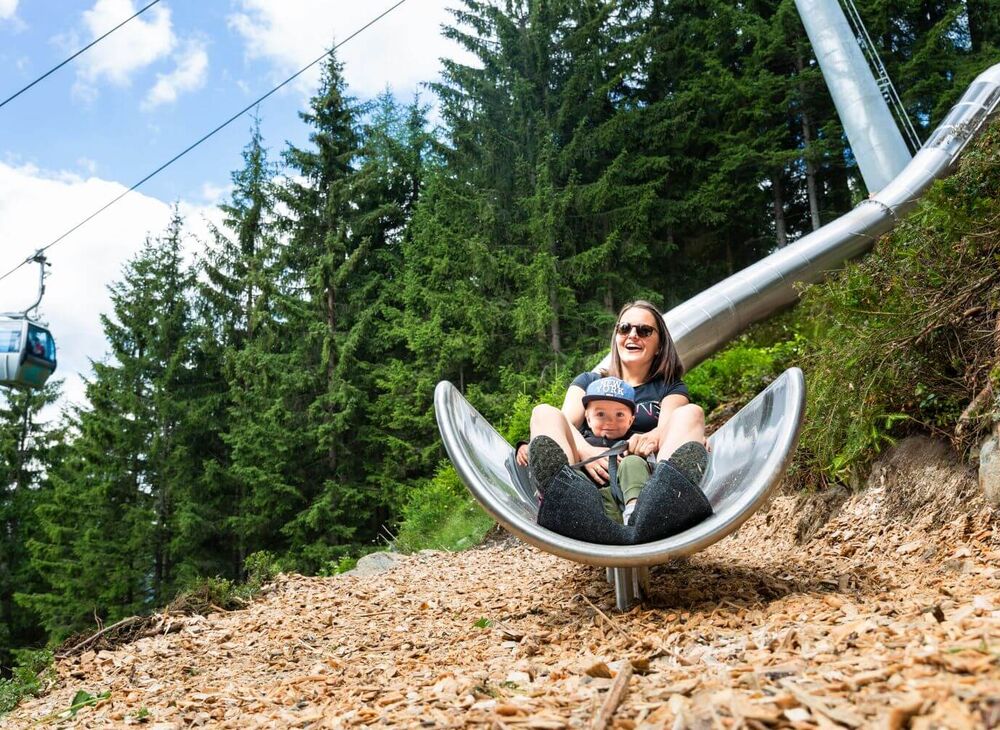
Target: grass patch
[441,515]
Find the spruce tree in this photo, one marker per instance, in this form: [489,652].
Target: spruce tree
[30,447]
[249,487]
[107,544]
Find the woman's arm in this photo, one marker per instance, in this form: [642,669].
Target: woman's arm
[648,443]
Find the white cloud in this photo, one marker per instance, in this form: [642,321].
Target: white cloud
[401,50]
[7,9]
[190,73]
[87,165]
[129,49]
[35,208]
[214,194]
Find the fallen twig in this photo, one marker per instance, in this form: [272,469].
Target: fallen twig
[91,639]
[603,615]
[615,696]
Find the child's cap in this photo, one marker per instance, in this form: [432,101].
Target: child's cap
[614,389]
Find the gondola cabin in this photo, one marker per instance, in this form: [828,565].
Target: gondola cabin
[27,354]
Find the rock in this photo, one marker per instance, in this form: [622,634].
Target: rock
[989,469]
[375,563]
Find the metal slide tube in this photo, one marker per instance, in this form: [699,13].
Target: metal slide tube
[749,455]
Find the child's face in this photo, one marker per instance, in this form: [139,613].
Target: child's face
[609,418]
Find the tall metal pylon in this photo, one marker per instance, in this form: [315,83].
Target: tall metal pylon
[875,140]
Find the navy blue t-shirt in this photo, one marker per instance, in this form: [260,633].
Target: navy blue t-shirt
[648,397]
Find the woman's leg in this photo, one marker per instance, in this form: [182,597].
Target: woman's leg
[549,421]
[687,423]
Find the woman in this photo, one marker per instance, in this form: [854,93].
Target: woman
[667,425]
[644,356]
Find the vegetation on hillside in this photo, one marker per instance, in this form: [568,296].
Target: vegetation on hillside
[907,339]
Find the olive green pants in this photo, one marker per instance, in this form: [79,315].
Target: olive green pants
[633,471]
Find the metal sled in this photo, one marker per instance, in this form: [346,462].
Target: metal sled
[748,457]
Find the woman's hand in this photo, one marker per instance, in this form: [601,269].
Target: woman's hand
[644,444]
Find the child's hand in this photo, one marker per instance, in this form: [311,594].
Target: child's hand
[522,454]
[598,470]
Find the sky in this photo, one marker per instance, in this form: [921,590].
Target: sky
[101,123]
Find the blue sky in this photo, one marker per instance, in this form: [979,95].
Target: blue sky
[126,106]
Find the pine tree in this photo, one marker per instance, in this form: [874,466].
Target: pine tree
[248,489]
[30,447]
[336,253]
[107,542]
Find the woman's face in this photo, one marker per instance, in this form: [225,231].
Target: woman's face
[636,351]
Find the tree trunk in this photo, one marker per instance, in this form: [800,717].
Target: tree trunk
[555,337]
[779,209]
[22,447]
[806,152]
[331,364]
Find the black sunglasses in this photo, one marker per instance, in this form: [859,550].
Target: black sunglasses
[643,330]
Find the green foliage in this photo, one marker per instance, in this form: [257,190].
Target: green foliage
[32,674]
[83,698]
[516,425]
[441,515]
[345,564]
[738,373]
[260,568]
[905,339]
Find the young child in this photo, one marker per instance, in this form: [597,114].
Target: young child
[609,412]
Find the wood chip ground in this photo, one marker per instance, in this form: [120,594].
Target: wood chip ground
[874,622]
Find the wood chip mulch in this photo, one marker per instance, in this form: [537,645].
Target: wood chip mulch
[875,622]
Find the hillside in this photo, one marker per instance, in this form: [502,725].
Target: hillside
[887,613]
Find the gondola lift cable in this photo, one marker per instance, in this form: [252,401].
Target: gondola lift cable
[85,48]
[219,128]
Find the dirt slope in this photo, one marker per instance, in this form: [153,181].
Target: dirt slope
[888,615]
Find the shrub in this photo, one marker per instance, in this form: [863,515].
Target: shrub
[260,567]
[441,514]
[905,339]
[32,675]
[734,376]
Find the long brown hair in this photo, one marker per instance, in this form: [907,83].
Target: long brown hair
[666,364]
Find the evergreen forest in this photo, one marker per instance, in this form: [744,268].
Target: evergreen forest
[274,397]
